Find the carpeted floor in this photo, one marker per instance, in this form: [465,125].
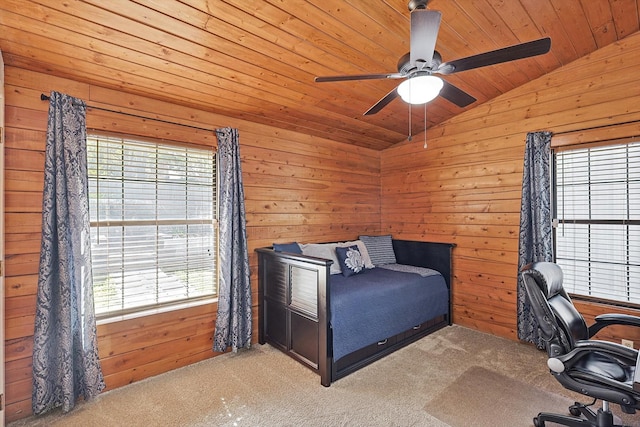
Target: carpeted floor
[455,377]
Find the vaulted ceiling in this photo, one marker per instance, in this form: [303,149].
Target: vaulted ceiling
[256,60]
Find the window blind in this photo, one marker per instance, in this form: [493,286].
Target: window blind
[598,221]
[153,224]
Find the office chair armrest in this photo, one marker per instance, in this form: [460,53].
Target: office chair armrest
[605,320]
[589,346]
[636,375]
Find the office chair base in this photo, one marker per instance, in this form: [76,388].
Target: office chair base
[600,419]
[565,420]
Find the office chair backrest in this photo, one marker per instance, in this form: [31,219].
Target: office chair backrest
[561,325]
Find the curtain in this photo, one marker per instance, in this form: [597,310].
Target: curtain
[536,233]
[233,323]
[65,354]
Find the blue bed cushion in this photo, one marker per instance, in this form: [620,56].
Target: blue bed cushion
[380,303]
[350,259]
[293,247]
[380,249]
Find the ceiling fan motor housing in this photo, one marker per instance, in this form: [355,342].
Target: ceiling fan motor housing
[405,67]
[417,4]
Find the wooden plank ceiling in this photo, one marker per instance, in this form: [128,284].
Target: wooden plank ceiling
[256,60]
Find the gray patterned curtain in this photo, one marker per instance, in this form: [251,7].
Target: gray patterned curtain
[536,233]
[233,324]
[65,354]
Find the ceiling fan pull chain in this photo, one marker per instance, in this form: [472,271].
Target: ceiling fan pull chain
[409,138]
[425,125]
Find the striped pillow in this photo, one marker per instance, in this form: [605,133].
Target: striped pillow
[380,249]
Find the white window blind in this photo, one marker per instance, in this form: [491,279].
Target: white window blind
[153,224]
[598,221]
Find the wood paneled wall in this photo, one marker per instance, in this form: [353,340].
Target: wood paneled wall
[465,187]
[297,187]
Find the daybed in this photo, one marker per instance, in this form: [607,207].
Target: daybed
[335,324]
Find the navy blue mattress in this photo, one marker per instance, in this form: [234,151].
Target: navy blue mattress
[380,303]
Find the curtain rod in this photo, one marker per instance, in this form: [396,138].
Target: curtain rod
[44,97]
[596,127]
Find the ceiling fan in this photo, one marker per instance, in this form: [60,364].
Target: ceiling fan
[419,65]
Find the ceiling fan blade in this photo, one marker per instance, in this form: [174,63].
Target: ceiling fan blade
[358,77]
[424,33]
[382,103]
[511,53]
[456,95]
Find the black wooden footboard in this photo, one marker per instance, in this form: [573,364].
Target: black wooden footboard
[294,305]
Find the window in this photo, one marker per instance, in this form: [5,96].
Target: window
[597,237]
[153,224]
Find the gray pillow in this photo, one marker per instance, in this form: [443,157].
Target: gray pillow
[323,250]
[380,249]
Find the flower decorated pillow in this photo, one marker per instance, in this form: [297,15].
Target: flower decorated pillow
[350,260]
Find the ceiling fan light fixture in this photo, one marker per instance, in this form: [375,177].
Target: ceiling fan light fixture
[420,89]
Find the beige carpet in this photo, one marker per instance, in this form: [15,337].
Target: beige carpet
[415,386]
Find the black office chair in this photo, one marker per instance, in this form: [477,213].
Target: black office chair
[598,369]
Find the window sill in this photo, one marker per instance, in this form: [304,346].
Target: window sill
[605,302]
[156,310]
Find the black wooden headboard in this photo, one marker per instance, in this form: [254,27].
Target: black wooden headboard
[425,254]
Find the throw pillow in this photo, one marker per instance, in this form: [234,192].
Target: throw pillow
[380,249]
[323,250]
[293,247]
[350,260]
[363,251]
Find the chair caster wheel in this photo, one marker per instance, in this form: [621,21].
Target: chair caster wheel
[537,422]
[575,410]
